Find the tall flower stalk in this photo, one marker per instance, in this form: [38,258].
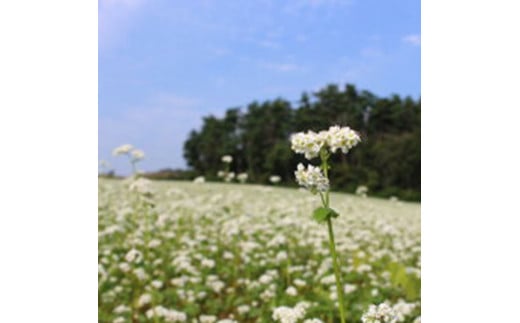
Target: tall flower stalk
[316,180]
[135,155]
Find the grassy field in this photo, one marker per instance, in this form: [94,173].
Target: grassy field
[187,252]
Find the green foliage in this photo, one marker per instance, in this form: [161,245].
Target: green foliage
[388,161]
[321,214]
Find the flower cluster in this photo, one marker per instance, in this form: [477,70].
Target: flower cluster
[227,159]
[311,143]
[227,176]
[135,155]
[242,177]
[199,180]
[285,314]
[381,313]
[142,186]
[168,315]
[311,178]
[275,179]
[362,191]
[122,150]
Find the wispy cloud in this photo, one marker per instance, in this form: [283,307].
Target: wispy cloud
[114,19]
[299,6]
[281,67]
[370,52]
[174,101]
[268,44]
[412,39]
[221,51]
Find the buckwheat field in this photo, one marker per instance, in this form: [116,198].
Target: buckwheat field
[228,252]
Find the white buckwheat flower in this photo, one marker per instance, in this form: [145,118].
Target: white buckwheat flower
[285,314]
[227,159]
[137,155]
[133,255]
[291,291]
[199,180]
[308,144]
[362,191]
[141,185]
[311,178]
[243,309]
[242,177]
[335,138]
[275,179]
[121,150]
[207,319]
[341,138]
[144,300]
[229,176]
[381,313]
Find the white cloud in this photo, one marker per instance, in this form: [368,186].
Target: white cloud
[268,44]
[114,18]
[371,52]
[174,101]
[281,67]
[221,51]
[121,3]
[298,6]
[413,39]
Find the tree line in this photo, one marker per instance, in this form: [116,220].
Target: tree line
[388,161]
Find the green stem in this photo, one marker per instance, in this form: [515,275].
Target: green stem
[332,244]
[337,273]
[134,169]
[323,200]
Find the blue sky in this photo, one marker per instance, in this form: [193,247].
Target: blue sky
[164,64]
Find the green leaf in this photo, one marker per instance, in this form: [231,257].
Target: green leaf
[321,214]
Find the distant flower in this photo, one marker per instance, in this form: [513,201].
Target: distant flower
[362,191]
[137,155]
[144,300]
[242,177]
[381,313]
[133,256]
[291,291]
[221,173]
[275,179]
[242,309]
[311,178]
[142,186]
[123,149]
[207,319]
[403,309]
[284,314]
[199,180]
[227,159]
[349,288]
[157,284]
[229,176]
